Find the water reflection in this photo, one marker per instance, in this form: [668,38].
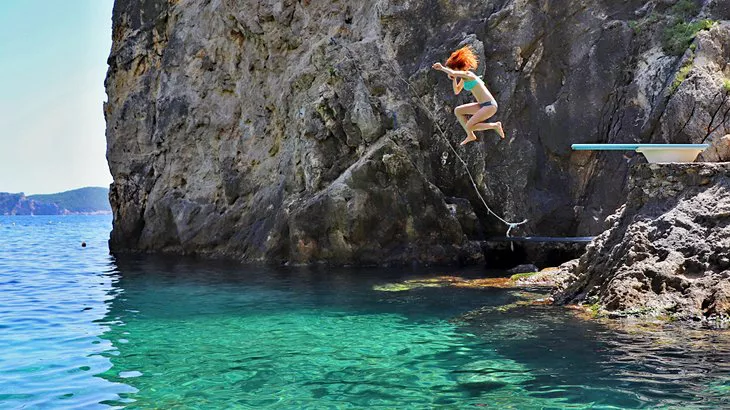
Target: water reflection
[661,365]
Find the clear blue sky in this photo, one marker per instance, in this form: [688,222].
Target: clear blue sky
[52,66]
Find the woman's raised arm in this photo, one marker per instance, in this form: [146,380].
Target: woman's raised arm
[461,74]
[456,84]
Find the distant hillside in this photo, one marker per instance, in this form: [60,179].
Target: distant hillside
[77,201]
[19,204]
[83,200]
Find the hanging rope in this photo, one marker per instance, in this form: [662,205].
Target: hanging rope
[511,225]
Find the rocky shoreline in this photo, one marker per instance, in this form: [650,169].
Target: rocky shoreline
[664,257]
[665,253]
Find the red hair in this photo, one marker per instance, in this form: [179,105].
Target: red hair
[463,59]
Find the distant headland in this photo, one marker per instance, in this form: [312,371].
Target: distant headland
[89,200]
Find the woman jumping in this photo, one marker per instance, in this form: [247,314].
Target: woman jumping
[458,67]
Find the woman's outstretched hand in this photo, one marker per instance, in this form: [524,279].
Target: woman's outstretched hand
[437,66]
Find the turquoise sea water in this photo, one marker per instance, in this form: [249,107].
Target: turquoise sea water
[82,329]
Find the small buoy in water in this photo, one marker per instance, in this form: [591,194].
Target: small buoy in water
[83,244]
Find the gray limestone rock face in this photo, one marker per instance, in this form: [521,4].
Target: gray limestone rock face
[698,105]
[380,210]
[237,128]
[667,251]
[719,150]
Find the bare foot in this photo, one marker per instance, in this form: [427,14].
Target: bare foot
[469,138]
[499,130]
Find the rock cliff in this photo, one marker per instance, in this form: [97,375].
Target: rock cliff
[667,250]
[284,131]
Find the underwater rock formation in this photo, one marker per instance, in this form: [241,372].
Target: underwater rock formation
[283,131]
[667,250]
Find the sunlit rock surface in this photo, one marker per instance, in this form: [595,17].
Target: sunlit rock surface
[667,251]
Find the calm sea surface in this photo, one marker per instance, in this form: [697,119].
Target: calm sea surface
[81,329]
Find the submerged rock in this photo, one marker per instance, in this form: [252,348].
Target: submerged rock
[497,371]
[444,281]
[667,250]
[547,278]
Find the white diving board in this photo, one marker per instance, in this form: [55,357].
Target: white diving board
[652,152]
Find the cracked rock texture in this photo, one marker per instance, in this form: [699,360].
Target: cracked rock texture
[283,131]
[667,250]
